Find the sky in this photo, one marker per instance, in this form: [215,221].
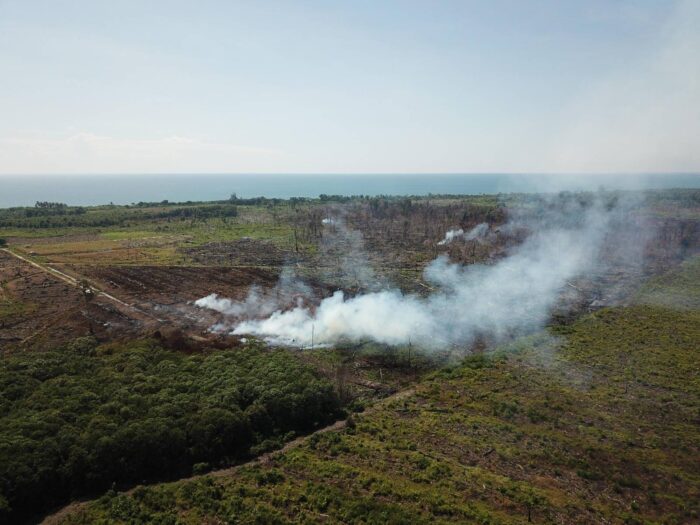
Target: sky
[205,86]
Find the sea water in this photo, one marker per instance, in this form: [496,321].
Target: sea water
[25,190]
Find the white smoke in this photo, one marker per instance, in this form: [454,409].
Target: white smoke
[515,294]
[387,317]
[259,303]
[254,304]
[451,236]
[478,232]
[343,249]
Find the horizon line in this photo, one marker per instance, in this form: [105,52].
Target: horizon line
[366,173]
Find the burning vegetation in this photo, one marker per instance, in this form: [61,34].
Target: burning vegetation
[128,338]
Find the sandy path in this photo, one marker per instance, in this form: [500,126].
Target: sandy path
[76,282]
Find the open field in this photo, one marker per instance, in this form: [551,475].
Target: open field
[161,257]
[350,263]
[596,422]
[97,303]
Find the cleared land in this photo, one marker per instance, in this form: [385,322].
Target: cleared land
[159,258]
[593,420]
[596,422]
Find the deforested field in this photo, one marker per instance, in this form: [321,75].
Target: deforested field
[592,423]
[464,359]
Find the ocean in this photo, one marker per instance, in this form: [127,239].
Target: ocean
[25,190]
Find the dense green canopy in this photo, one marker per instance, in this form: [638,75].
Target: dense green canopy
[83,418]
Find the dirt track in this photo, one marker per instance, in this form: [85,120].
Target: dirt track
[57,517]
[75,281]
[128,301]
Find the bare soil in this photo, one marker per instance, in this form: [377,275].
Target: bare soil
[364,248]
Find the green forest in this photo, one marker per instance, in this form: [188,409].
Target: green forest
[84,418]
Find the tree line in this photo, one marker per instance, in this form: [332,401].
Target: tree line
[47,217]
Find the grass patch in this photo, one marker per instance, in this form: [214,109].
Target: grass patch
[679,288]
[595,421]
[10,308]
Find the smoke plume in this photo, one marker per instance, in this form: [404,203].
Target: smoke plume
[258,303]
[476,233]
[451,235]
[343,248]
[513,295]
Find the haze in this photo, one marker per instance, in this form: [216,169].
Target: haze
[330,87]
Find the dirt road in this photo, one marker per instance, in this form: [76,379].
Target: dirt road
[76,282]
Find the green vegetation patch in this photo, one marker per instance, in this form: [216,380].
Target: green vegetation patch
[58,215]
[83,418]
[594,422]
[10,308]
[679,288]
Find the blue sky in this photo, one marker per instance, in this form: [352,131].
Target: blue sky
[349,87]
